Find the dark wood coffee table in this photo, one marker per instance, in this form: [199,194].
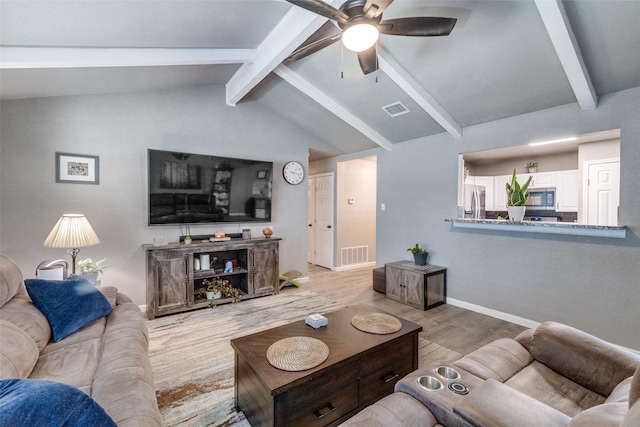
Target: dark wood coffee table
[361,369]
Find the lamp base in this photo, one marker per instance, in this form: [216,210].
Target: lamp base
[74,253]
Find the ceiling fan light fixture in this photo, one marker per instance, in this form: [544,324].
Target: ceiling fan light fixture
[360,37]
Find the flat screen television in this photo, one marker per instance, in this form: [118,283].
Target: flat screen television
[200,189]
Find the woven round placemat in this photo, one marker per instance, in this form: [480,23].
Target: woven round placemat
[376,323]
[297,353]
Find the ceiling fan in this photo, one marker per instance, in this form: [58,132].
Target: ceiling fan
[360,23]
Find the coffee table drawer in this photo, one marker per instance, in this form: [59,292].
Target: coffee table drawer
[381,356]
[381,382]
[320,401]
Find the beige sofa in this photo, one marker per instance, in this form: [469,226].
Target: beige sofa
[108,360]
[553,375]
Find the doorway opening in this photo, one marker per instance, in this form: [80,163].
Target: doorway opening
[341,231]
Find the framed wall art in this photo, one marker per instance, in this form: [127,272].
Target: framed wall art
[77,169]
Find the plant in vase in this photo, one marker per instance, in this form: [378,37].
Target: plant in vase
[90,270]
[419,254]
[218,288]
[517,196]
[532,167]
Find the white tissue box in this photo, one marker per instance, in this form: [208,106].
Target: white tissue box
[316,320]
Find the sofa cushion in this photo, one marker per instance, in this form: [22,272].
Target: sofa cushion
[397,409]
[551,388]
[589,361]
[69,305]
[10,279]
[605,415]
[500,360]
[25,402]
[621,392]
[18,352]
[21,312]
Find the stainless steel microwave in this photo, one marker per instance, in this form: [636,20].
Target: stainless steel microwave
[542,198]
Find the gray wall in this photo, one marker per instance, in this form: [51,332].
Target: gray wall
[590,283]
[120,128]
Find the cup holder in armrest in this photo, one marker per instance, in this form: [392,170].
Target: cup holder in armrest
[447,373]
[430,383]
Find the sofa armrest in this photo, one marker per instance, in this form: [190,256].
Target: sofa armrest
[589,361]
[494,404]
[122,299]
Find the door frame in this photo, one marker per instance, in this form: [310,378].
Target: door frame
[332,218]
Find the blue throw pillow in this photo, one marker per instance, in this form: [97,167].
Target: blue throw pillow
[40,403]
[68,305]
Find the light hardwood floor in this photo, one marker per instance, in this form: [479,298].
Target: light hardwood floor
[449,332]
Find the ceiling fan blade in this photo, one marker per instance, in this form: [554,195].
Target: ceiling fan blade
[313,47]
[418,26]
[323,9]
[368,60]
[374,8]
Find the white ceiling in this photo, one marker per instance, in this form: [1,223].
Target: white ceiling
[503,58]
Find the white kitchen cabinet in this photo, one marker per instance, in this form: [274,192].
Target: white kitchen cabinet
[539,180]
[567,191]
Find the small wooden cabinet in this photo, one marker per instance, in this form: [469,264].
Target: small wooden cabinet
[173,282]
[420,286]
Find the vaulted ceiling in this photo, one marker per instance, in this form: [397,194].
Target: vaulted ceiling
[502,59]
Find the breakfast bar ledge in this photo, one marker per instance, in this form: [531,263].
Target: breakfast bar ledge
[541,227]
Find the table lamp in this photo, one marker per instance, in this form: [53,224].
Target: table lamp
[72,231]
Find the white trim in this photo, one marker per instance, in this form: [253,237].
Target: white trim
[354,266]
[304,86]
[564,41]
[79,57]
[411,87]
[494,313]
[143,308]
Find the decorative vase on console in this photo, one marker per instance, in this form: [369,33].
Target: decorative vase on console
[267,231]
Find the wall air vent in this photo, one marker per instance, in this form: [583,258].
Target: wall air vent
[396,109]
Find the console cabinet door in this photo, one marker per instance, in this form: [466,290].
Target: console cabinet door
[265,269]
[170,274]
[393,283]
[413,284]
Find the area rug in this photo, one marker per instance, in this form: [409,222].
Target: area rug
[192,358]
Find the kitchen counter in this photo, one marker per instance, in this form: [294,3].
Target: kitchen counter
[571,228]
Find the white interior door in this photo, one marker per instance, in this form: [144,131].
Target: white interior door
[324,189]
[311,221]
[603,192]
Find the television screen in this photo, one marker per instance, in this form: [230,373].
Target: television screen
[197,189]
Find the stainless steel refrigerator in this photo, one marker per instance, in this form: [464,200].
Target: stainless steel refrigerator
[474,201]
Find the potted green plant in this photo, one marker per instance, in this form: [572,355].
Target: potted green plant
[517,196]
[419,254]
[218,288]
[90,270]
[533,167]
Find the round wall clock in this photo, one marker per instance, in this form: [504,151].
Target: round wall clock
[293,172]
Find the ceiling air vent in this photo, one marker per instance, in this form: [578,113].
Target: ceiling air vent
[396,109]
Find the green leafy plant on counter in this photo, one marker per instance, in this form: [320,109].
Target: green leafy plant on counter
[418,250]
[517,195]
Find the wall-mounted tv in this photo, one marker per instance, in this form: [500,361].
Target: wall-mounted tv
[200,189]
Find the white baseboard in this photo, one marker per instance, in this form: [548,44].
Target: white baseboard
[143,308]
[494,313]
[354,266]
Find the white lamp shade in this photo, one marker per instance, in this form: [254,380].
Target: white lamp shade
[72,231]
[360,37]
